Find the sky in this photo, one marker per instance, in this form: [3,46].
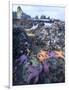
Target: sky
[52,11]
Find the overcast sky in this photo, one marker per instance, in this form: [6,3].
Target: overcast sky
[53,12]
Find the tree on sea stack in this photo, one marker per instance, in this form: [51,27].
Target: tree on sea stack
[43,17]
[36,17]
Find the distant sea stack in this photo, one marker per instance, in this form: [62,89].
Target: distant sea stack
[21,14]
[21,19]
